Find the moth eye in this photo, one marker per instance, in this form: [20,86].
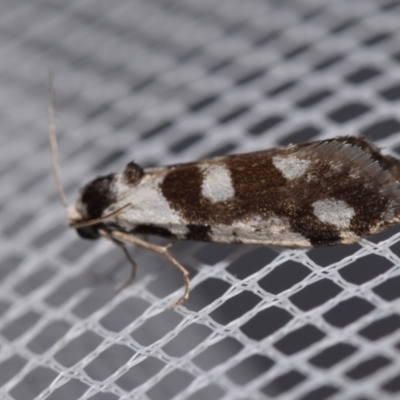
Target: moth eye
[89,232]
[133,173]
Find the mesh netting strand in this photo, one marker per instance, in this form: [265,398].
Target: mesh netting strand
[165,82]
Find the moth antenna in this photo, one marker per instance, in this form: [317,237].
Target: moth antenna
[96,221]
[53,142]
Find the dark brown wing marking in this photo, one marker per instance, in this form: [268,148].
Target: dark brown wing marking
[347,169]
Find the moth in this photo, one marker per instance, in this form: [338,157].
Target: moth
[319,193]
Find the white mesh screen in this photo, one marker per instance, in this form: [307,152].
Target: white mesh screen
[165,82]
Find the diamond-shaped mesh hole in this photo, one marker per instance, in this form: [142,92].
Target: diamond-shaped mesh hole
[93,301]
[156,327]
[265,125]
[281,88]
[235,307]
[297,51]
[368,367]
[4,306]
[10,367]
[72,389]
[156,130]
[364,269]
[50,334]
[18,224]
[393,385]
[205,293]
[34,281]
[283,383]
[362,75]
[203,103]
[170,385]
[123,314]
[299,339]
[110,359]
[48,236]
[186,340]
[377,38]
[284,277]
[20,325]
[348,311]
[331,255]
[322,393]
[348,112]
[9,264]
[250,76]
[217,353]
[105,162]
[314,98]
[66,290]
[382,327]
[315,294]
[78,348]
[168,281]
[328,62]
[33,383]
[389,290]
[140,373]
[332,355]
[76,250]
[391,93]
[266,322]
[251,262]
[249,369]
[185,143]
[232,115]
[381,129]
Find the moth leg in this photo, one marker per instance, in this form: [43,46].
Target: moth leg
[164,250]
[121,245]
[131,261]
[185,275]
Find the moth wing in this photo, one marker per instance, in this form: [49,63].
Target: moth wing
[322,193]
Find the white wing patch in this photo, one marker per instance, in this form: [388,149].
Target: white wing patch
[273,231]
[335,212]
[217,183]
[291,167]
[148,205]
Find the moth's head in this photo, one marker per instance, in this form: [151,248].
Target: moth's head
[85,232]
[97,196]
[94,199]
